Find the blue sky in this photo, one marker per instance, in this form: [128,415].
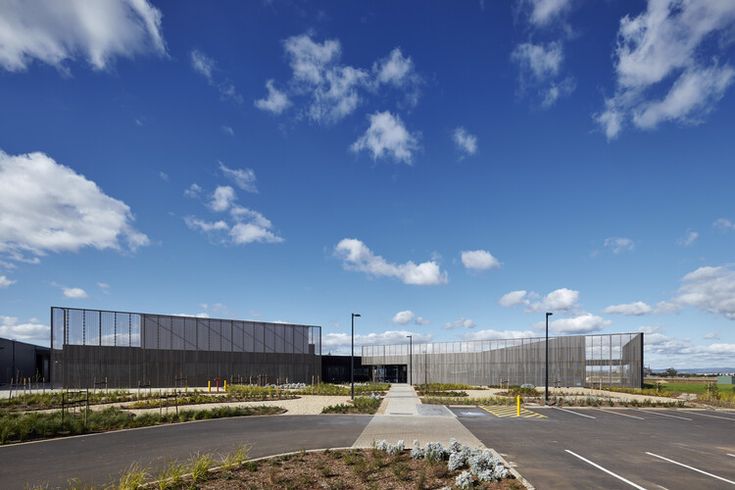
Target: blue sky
[448,169]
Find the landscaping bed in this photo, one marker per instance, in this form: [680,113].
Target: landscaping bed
[384,466]
[234,394]
[19,427]
[327,389]
[361,404]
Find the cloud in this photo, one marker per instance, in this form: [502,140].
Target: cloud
[207,68]
[249,227]
[466,143]
[619,245]
[513,298]
[661,50]
[688,239]
[244,178]
[193,192]
[710,289]
[5,282]
[580,324]
[31,331]
[490,334]
[47,207]
[544,12]
[562,299]
[357,256]
[387,137]
[222,198]
[540,69]
[275,102]
[57,32]
[163,176]
[460,323]
[723,224]
[666,351]
[637,308]
[539,60]
[479,260]
[330,89]
[407,316]
[340,342]
[75,293]
[103,285]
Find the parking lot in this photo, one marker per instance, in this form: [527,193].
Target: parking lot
[613,448]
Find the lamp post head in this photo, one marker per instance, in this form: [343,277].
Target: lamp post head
[356,315]
[548,314]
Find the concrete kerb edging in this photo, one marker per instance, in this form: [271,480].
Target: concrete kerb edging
[515,472]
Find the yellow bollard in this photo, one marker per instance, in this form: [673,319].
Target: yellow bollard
[225,385]
[518,405]
[209,386]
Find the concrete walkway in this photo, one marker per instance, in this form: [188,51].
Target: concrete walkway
[406,418]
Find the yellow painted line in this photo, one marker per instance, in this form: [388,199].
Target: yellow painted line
[506,412]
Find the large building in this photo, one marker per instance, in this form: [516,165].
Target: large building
[122,349]
[22,363]
[575,360]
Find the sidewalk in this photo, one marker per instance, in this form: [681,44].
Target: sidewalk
[406,418]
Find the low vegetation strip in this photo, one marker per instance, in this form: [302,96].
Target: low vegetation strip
[234,394]
[20,427]
[361,404]
[493,400]
[446,387]
[51,400]
[385,466]
[327,389]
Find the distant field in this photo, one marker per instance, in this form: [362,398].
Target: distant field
[689,386]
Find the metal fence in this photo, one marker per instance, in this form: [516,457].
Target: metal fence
[576,360]
[130,349]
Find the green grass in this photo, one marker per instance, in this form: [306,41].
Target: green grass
[45,401]
[15,427]
[361,404]
[235,393]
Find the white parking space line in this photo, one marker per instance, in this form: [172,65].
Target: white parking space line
[634,485]
[691,468]
[615,412]
[575,413]
[711,416]
[654,412]
[731,455]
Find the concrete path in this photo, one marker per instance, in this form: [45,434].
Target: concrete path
[406,418]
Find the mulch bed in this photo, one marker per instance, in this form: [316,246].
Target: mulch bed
[343,469]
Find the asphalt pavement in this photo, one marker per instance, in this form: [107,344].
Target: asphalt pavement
[613,448]
[101,458]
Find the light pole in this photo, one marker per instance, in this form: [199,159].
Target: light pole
[352,358]
[410,359]
[546,392]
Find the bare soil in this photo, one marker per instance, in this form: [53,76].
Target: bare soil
[342,469]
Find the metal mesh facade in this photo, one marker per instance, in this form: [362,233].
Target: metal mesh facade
[132,349]
[577,360]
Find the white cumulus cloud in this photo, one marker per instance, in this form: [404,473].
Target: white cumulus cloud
[5,282]
[636,308]
[688,239]
[244,178]
[460,323]
[561,299]
[661,50]
[387,137]
[339,343]
[619,245]
[710,289]
[724,224]
[276,101]
[466,143]
[75,293]
[48,207]
[479,260]
[357,256]
[580,324]
[56,32]
[490,334]
[544,12]
[31,331]
[222,198]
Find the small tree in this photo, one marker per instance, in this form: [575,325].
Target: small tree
[671,373]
